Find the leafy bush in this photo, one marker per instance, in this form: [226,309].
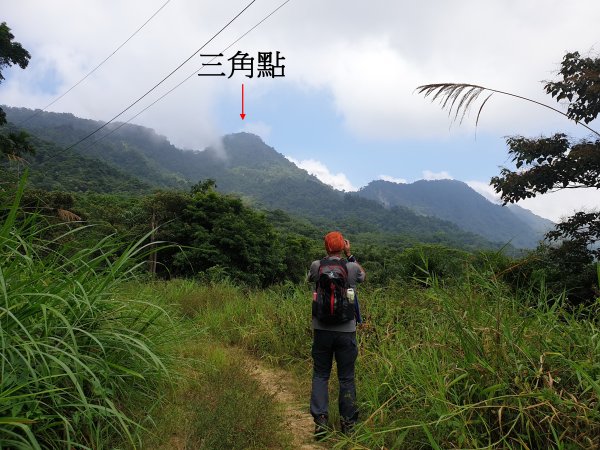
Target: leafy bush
[567,268]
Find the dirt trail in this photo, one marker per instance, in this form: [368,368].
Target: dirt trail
[279,383]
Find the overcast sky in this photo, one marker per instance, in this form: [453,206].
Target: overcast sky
[346,109]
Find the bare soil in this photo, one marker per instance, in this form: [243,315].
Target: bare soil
[281,385]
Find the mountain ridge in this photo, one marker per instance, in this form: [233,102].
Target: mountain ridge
[245,165]
[455,201]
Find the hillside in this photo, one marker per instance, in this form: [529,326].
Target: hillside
[245,165]
[53,170]
[456,202]
[537,223]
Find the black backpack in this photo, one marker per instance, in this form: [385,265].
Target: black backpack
[331,304]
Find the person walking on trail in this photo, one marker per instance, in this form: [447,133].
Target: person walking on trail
[335,312]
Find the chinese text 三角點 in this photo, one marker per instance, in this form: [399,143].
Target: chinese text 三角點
[267,65]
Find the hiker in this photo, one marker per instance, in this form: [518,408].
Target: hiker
[335,310]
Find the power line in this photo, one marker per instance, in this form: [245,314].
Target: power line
[161,81]
[188,77]
[95,68]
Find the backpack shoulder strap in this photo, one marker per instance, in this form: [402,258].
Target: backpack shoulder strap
[331,262]
[344,264]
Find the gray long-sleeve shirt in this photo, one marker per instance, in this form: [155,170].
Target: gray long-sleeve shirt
[355,275]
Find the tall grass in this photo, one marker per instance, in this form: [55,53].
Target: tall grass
[210,400]
[70,352]
[213,403]
[464,366]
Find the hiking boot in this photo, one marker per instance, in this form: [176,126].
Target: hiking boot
[347,427]
[320,427]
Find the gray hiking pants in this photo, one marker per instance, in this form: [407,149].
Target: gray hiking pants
[327,345]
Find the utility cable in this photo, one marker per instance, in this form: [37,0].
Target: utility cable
[188,77]
[35,114]
[161,81]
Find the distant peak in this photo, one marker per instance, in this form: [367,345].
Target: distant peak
[244,136]
[440,181]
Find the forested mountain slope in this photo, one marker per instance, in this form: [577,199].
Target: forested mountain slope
[138,159]
[456,202]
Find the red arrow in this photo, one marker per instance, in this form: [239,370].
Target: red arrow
[242,115]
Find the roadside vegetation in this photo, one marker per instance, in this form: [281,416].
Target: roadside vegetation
[440,366]
[90,360]
[459,350]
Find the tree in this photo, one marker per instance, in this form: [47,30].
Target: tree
[218,232]
[10,53]
[13,144]
[162,210]
[548,164]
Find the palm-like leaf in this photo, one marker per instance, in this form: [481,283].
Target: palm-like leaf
[456,97]
[459,97]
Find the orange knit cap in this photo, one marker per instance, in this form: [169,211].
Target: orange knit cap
[334,242]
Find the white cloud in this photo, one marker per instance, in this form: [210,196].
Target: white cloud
[372,60]
[553,206]
[561,204]
[69,49]
[338,180]
[393,179]
[369,59]
[259,128]
[443,175]
[484,189]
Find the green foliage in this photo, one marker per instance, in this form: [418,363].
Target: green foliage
[13,144]
[236,413]
[203,187]
[464,366]
[238,238]
[456,202]
[219,230]
[420,263]
[53,170]
[548,164]
[581,230]
[451,357]
[71,352]
[11,52]
[211,402]
[426,263]
[579,85]
[551,164]
[243,164]
[563,269]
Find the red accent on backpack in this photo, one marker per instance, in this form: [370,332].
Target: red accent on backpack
[332,298]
